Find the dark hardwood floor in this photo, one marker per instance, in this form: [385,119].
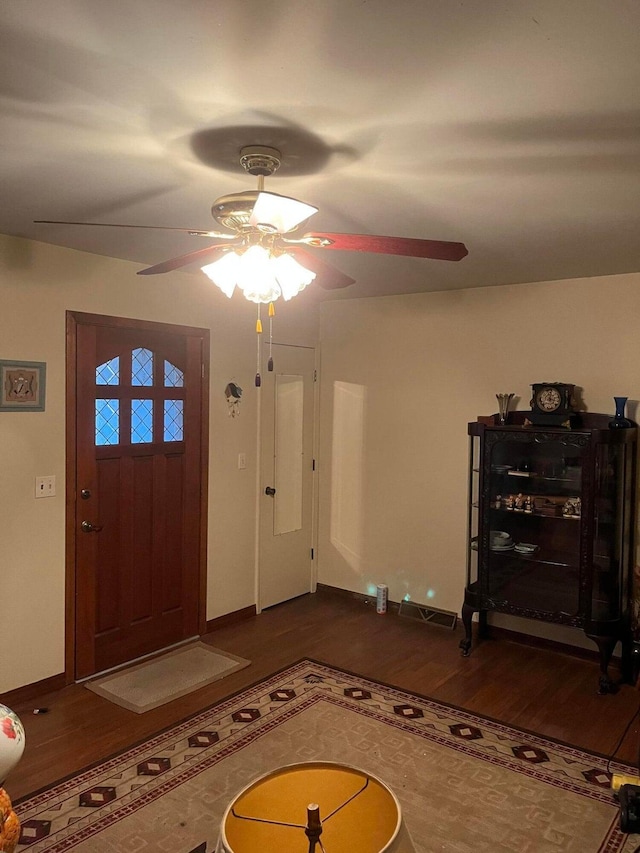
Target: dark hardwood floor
[545,691]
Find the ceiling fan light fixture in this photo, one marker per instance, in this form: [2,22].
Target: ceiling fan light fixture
[224,272]
[256,276]
[261,276]
[273,212]
[249,270]
[291,276]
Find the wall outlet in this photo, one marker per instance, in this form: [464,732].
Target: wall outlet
[242,461]
[46,486]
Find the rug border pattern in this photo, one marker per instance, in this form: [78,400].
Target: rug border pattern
[312,682]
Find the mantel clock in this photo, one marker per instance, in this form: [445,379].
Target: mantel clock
[552,404]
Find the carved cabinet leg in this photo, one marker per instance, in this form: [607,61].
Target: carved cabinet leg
[606,645]
[630,654]
[467,616]
[631,663]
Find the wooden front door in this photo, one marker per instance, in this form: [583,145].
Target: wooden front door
[139,401]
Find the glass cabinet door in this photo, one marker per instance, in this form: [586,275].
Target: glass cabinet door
[473,521]
[612,517]
[533,523]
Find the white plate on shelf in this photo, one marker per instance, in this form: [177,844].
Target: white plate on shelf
[503,547]
[499,536]
[526,548]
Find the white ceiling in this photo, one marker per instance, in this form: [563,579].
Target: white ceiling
[510,125]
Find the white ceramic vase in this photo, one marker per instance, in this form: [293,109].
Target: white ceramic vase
[11,741]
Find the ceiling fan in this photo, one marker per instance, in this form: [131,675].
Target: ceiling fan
[261,225]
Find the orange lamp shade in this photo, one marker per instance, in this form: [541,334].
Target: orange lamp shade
[358,812]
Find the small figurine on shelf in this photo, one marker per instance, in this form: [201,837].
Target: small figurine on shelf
[572,508]
[498,501]
[519,502]
[508,502]
[528,504]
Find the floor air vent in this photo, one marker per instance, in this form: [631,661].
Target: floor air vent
[432,615]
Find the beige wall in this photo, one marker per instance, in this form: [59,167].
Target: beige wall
[401,377]
[38,284]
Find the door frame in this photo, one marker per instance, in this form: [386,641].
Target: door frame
[315,482]
[73,320]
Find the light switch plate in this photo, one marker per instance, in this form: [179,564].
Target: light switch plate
[46,486]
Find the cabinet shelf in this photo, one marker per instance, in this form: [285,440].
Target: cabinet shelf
[570,480]
[517,513]
[532,475]
[557,559]
[580,573]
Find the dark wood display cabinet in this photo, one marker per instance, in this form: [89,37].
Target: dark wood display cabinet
[551,519]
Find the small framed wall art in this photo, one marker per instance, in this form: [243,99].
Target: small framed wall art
[22,386]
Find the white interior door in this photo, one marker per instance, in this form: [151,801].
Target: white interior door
[287,414]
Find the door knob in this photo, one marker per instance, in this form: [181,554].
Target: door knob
[270,491]
[88,527]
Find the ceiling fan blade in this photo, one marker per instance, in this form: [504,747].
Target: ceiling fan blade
[192,231]
[279,212]
[437,249]
[327,276]
[210,254]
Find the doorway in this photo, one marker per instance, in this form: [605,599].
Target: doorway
[287,476]
[137,426]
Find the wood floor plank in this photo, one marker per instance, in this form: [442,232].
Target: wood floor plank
[551,693]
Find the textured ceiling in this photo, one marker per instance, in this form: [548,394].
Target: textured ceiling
[509,125]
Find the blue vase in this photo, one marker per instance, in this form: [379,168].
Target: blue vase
[619,421]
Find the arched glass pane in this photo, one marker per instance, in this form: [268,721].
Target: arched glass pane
[107,422]
[173,420]
[109,372]
[141,421]
[142,367]
[173,376]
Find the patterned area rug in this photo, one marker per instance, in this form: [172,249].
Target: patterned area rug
[464,783]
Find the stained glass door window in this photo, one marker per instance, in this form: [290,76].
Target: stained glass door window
[141,411]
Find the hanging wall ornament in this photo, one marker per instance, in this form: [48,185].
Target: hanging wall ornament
[233,393]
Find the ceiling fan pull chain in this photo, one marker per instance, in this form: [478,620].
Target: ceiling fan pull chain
[272,312]
[258,333]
